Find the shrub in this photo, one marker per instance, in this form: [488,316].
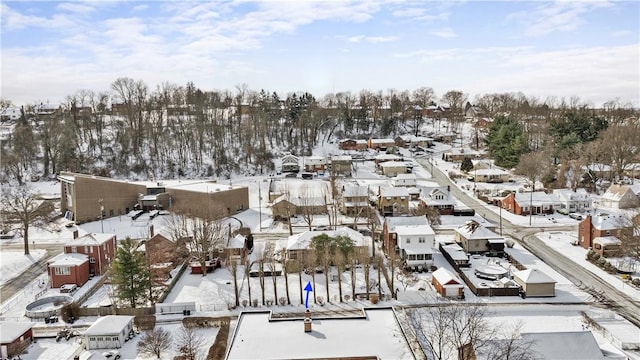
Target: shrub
[245,302]
[636,281]
[282,300]
[145,322]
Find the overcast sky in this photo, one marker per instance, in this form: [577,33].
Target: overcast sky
[563,49]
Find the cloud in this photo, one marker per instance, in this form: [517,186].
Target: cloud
[446,33]
[78,8]
[549,17]
[140,7]
[369,39]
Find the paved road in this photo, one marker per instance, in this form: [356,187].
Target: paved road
[599,288]
[16,284]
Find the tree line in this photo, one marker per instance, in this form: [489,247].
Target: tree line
[175,131]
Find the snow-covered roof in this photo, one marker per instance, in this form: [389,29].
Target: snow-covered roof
[533,276]
[573,345]
[405,177]
[570,195]
[355,191]
[68,260]
[409,230]
[387,157]
[376,335]
[382,141]
[93,239]
[302,241]
[12,330]
[395,221]
[616,192]
[607,240]
[491,171]
[473,230]
[236,242]
[109,325]
[149,198]
[393,191]
[538,198]
[444,276]
[610,221]
[389,164]
[315,160]
[289,159]
[341,158]
[455,251]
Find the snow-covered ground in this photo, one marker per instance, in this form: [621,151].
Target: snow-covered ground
[15,263]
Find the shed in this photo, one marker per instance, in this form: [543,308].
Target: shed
[447,284]
[108,332]
[535,283]
[14,337]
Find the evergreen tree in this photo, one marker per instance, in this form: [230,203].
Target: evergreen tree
[130,274]
[506,141]
[466,165]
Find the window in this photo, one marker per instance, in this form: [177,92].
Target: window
[428,256]
[422,240]
[110,212]
[92,260]
[90,248]
[62,270]
[420,256]
[74,249]
[408,241]
[85,249]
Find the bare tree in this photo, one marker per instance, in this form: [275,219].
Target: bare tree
[20,204]
[310,205]
[204,227]
[621,142]
[155,342]
[232,265]
[345,249]
[533,166]
[189,342]
[509,344]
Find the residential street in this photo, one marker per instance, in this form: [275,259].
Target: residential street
[606,294]
[16,284]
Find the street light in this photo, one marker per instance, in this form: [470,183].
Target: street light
[101,215]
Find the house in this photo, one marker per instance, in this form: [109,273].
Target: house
[379,159]
[10,114]
[375,333]
[298,246]
[407,141]
[473,111]
[520,203]
[352,144]
[600,225]
[355,200]
[393,201]
[535,283]
[15,336]
[475,238]
[439,198]
[286,206]
[621,197]
[389,232]
[446,138]
[415,245]
[404,180]
[341,165]
[108,332]
[447,284]
[381,144]
[458,154]
[576,200]
[494,176]
[290,163]
[87,197]
[607,246]
[236,249]
[569,345]
[315,163]
[100,249]
[68,269]
[393,168]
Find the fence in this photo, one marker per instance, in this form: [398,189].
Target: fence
[111,310]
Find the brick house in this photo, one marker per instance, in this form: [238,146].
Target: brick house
[15,337]
[379,144]
[355,200]
[315,163]
[68,269]
[352,144]
[99,248]
[600,226]
[519,203]
[447,284]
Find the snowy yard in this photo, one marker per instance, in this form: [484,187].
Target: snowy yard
[16,262]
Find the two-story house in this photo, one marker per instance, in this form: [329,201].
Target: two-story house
[341,165]
[393,168]
[355,200]
[389,233]
[621,197]
[393,201]
[577,200]
[87,255]
[290,163]
[353,144]
[315,163]
[601,226]
[415,246]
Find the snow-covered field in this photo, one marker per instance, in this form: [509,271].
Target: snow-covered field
[15,263]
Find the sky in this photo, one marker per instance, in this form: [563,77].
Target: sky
[588,49]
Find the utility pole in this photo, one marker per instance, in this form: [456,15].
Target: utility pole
[260,204]
[101,214]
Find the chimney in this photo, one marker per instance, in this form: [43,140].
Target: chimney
[307,321]
[151,231]
[75,233]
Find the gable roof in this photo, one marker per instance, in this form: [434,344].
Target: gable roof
[445,277]
[109,325]
[355,191]
[91,239]
[68,260]
[302,241]
[533,276]
[572,345]
[407,230]
[12,330]
[538,198]
[394,191]
[395,221]
[473,230]
[570,195]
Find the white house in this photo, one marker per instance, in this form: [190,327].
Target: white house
[290,163]
[108,332]
[573,200]
[404,180]
[439,198]
[415,245]
[621,197]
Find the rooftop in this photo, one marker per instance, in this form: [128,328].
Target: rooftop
[10,330]
[109,325]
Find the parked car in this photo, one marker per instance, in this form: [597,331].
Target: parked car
[563,211]
[68,288]
[575,216]
[112,354]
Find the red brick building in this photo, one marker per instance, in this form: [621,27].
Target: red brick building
[99,248]
[600,226]
[68,269]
